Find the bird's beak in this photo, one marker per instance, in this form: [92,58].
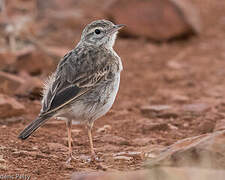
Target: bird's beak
[115,28]
[119,26]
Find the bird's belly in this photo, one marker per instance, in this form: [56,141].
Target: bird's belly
[95,104]
[109,100]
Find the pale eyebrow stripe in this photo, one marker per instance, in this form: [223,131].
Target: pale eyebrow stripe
[91,31]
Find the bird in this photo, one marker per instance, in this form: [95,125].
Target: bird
[85,83]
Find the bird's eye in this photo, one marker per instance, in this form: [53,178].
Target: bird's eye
[97,31]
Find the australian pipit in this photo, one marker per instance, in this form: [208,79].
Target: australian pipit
[85,83]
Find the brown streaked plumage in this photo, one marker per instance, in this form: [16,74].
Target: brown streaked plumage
[85,83]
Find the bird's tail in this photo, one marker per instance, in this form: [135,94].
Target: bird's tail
[33,126]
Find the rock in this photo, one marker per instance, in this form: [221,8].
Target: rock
[108,138]
[57,147]
[2,160]
[76,132]
[54,4]
[157,20]
[32,87]
[150,155]
[207,126]
[193,158]
[101,166]
[172,127]
[9,83]
[155,108]
[58,52]
[11,120]
[158,173]
[10,107]
[123,158]
[135,155]
[104,128]
[3,167]
[109,147]
[34,62]
[157,127]
[220,125]
[173,95]
[84,158]
[162,111]
[34,154]
[6,58]
[174,65]
[2,147]
[196,108]
[141,141]
[179,98]
[205,151]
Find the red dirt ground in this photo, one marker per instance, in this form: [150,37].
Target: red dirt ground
[188,75]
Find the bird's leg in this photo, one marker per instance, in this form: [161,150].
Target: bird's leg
[69,126]
[89,127]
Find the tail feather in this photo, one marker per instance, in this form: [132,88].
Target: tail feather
[33,126]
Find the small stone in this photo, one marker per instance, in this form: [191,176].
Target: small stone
[186,124]
[33,154]
[34,62]
[220,125]
[7,58]
[150,155]
[172,127]
[3,167]
[206,151]
[57,147]
[141,141]
[174,65]
[114,139]
[155,108]
[35,148]
[1,159]
[85,158]
[32,88]
[101,166]
[133,154]
[161,111]
[196,108]
[9,83]
[179,98]
[2,147]
[57,51]
[157,20]
[39,155]
[207,126]
[123,158]
[76,131]
[104,128]
[146,128]
[68,166]
[10,107]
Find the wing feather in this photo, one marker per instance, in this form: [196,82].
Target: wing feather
[75,76]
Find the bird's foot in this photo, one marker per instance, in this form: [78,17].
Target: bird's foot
[95,158]
[70,158]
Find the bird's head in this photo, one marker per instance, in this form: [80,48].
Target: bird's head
[100,33]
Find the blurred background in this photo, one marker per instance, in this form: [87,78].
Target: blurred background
[172,87]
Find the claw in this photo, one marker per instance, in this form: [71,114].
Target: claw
[71,157]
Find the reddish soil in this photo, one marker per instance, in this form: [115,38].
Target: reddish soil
[188,75]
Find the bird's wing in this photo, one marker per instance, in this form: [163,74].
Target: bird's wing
[76,74]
